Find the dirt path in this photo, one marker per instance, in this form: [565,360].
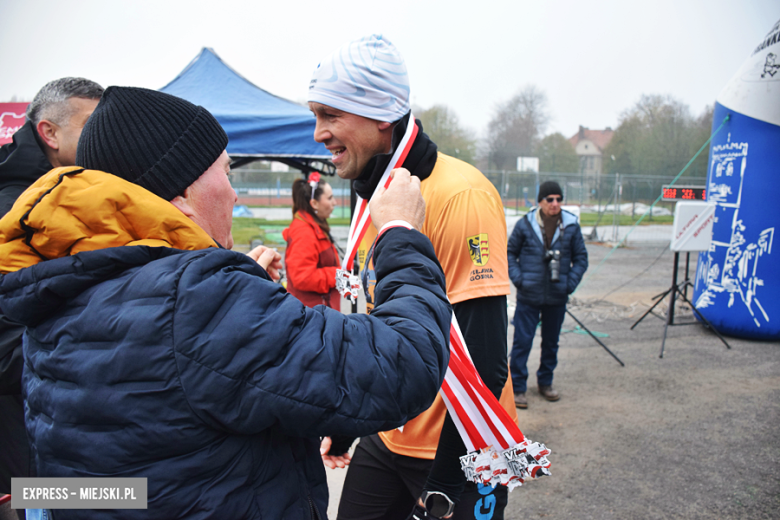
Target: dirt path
[693,435]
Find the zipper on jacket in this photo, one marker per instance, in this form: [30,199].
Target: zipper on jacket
[313,508]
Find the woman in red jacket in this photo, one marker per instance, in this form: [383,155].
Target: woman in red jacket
[311,258]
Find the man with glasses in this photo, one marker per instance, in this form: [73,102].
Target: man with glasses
[547,258]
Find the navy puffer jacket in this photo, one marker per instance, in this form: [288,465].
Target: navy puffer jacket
[193,370]
[528,269]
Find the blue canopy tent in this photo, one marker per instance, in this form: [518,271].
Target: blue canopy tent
[259,124]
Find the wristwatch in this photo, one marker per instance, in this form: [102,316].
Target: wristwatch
[437,504]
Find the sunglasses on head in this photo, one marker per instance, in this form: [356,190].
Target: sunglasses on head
[553,199]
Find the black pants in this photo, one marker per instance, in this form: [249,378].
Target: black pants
[383,484]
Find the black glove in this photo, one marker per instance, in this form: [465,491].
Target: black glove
[340,444]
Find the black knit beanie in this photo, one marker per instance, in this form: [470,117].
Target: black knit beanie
[155,140]
[548,188]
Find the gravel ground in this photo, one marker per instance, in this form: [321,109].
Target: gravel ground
[693,435]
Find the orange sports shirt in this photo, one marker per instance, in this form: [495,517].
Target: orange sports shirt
[464,219]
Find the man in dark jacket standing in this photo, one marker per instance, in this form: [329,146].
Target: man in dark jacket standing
[48,139]
[151,351]
[547,258]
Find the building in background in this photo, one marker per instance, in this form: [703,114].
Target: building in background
[589,145]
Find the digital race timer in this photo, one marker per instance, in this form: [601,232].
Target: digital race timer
[684,193]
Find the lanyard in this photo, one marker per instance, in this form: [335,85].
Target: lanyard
[362,218]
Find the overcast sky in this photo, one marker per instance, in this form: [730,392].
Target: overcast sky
[592,59]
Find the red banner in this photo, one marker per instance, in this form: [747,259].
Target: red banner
[11,119]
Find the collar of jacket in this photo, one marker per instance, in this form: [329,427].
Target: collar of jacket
[567,219]
[419,162]
[72,210]
[22,161]
[306,217]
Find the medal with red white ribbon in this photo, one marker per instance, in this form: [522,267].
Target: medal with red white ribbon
[498,452]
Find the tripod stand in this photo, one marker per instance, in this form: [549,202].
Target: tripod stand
[594,337]
[678,290]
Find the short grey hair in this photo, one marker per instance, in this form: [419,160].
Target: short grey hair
[50,102]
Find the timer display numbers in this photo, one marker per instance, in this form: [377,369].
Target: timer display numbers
[684,193]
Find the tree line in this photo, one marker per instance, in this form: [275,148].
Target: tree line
[658,135]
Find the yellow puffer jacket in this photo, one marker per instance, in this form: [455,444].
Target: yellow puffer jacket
[71,210]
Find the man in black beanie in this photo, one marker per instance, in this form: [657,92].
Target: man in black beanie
[151,351]
[547,258]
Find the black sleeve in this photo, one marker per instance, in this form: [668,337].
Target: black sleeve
[340,444]
[483,322]
[11,359]
[311,372]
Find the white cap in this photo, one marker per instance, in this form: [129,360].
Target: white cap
[366,77]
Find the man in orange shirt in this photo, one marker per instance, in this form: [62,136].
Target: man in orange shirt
[360,96]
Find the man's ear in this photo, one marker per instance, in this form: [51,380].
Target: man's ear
[182,203]
[386,133]
[48,132]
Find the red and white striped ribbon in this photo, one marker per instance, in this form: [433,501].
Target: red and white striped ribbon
[498,452]
[361,220]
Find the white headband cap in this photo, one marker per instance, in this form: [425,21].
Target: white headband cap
[366,77]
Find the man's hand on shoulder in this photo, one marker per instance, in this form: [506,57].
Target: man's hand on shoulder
[401,200]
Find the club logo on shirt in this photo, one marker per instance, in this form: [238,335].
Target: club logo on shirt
[479,249]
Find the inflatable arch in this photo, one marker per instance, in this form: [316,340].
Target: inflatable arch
[737,284]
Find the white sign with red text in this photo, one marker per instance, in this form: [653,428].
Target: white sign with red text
[692,229]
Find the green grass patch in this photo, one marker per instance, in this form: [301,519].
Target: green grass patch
[269,231]
[589,219]
[247,229]
[286,223]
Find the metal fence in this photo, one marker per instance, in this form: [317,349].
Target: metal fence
[264,187]
[609,204]
[615,199]
[519,189]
